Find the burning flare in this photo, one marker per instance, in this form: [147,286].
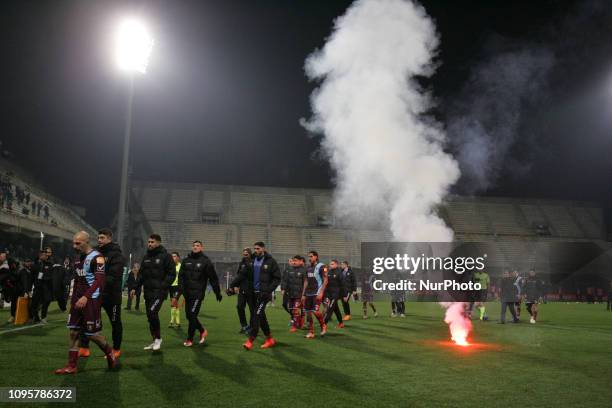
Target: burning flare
[458,323]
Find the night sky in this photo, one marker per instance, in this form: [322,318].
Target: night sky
[225,91]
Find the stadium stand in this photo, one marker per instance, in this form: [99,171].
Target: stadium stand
[291,221]
[26,207]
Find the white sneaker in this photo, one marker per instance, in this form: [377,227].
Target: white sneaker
[532,320]
[375,314]
[44,321]
[402,315]
[393,315]
[150,346]
[11,319]
[157,344]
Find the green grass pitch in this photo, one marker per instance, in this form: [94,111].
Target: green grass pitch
[563,360]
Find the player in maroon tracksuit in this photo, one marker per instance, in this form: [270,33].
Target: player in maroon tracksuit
[85,317]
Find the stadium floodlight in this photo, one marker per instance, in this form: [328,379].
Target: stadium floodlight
[134,46]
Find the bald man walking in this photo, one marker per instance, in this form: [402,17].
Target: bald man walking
[85,316]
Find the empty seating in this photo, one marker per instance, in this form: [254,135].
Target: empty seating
[183,205]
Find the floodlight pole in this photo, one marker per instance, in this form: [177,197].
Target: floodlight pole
[123,193]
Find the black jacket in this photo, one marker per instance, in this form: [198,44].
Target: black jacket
[25,281]
[195,273]
[115,262]
[9,277]
[508,290]
[269,275]
[244,267]
[533,289]
[293,281]
[349,284]
[158,272]
[133,282]
[335,283]
[43,274]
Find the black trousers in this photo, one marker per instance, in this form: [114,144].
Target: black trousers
[261,300]
[129,302]
[192,309]
[286,304]
[113,311]
[332,307]
[244,299]
[345,303]
[41,299]
[153,306]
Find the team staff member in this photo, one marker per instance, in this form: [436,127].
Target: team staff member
[245,293]
[175,294]
[533,290]
[158,272]
[291,287]
[196,272]
[264,276]
[58,278]
[333,291]
[85,311]
[285,297]
[134,285]
[349,287]
[43,287]
[313,291]
[111,296]
[9,281]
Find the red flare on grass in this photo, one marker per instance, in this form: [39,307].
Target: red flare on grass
[458,323]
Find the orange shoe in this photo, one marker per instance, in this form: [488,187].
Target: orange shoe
[83,352]
[310,335]
[66,370]
[346,317]
[116,354]
[293,329]
[340,326]
[270,342]
[248,345]
[203,336]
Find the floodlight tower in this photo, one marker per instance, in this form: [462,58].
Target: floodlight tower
[133,49]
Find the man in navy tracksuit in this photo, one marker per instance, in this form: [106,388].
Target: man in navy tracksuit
[263,276]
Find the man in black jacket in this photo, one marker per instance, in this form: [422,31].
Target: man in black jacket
[158,272]
[263,276]
[509,294]
[196,272]
[291,286]
[9,281]
[111,296]
[58,276]
[245,296]
[332,293]
[43,287]
[349,287]
[134,286]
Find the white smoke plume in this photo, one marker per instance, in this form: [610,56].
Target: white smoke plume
[387,154]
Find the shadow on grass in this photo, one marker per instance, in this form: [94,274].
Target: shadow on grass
[318,374]
[239,372]
[170,379]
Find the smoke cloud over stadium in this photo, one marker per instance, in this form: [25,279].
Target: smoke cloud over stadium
[387,153]
[485,119]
